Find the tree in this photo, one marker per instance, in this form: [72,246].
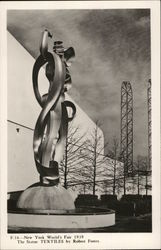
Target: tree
[114,166]
[141,173]
[123,175]
[117,169]
[148,173]
[93,154]
[69,167]
[137,173]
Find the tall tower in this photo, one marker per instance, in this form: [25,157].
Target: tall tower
[149,125]
[127,127]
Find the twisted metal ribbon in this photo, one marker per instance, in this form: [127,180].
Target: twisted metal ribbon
[51,128]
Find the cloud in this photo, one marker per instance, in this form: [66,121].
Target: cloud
[143,22]
[111,46]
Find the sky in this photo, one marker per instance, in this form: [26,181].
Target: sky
[111,46]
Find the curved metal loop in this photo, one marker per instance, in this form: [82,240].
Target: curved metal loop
[37,66]
[69,54]
[71,105]
[51,102]
[44,42]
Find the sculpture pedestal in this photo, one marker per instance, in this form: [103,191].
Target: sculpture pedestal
[61,220]
[41,197]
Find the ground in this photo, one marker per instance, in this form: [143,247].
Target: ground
[142,223]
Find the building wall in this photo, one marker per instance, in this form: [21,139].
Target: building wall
[21,166]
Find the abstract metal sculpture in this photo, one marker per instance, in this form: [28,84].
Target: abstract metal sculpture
[39,207]
[52,125]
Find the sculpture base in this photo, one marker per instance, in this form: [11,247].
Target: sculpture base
[76,220]
[39,197]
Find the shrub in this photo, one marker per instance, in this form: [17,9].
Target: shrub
[87,200]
